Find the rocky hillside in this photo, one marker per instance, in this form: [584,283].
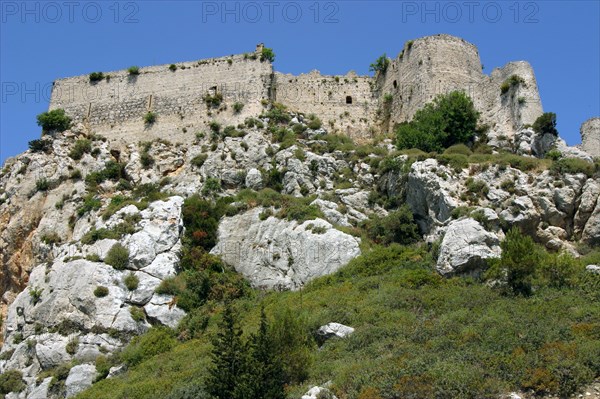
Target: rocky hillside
[90,236]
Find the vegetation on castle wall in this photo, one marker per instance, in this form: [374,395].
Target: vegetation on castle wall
[55,120]
[512,81]
[267,54]
[96,77]
[450,119]
[380,65]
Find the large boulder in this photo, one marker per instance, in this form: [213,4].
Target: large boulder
[80,378]
[280,254]
[428,194]
[466,247]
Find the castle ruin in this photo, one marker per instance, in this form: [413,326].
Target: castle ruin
[358,106]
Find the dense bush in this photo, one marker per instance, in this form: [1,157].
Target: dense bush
[398,226]
[100,291]
[546,123]
[81,146]
[96,77]
[237,107]
[117,257]
[131,281]
[518,262]
[199,160]
[267,54]
[450,119]
[41,145]
[54,120]
[133,70]
[380,65]
[11,381]
[512,81]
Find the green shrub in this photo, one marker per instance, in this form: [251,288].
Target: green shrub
[117,257]
[100,291]
[137,314]
[546,123]
[278,114]
[54,120]
[143,347]
[314,122]
[82,146]
[267,54]
[172,67]
[41,145]
[477,188]
[72,345]
[211,186]
[512,81]
[397,227]
[237,107]
[51,238]
[458,149]
[131,281]
[450,119]
[42,184]
[518,262]
[90,203]
[96,77]
[213,101]
[133,70]
[199,160]
[149,118]
[554,155]
[573,166]
[11,381]
[380,65]
[35,294]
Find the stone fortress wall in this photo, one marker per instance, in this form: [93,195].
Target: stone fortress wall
[358,106]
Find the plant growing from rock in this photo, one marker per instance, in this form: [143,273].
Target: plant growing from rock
[72,345]
[380,65]
[81,146]
[96,77]
[100,291]
[35,294]
[133,70]
[11,381]
[150,118]
[546,123]
[117,257]
[131,281]
[237,107]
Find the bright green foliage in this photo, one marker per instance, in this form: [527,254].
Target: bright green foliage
[267,54]
[450,119]
[519,260]
[546,123]
[380,65]
[150,118]
[54,120]
[133,70]
[155,341]
[11,381]
[117,257]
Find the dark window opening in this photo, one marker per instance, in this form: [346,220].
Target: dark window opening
[348,99]
[395,84]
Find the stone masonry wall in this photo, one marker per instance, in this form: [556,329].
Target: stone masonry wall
[590,136]
[115,107]
[346,103]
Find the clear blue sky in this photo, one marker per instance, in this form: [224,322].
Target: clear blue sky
[42,41]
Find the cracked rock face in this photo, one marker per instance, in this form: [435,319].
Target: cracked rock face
[66,318]
[281,254]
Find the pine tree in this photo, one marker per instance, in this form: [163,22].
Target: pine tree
[264,378]
[228,359]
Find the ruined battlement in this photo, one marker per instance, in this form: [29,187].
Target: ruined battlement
[359,106]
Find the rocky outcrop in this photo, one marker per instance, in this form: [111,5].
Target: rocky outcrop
[331,330]
[466,248]
[280,254]
[77,308]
